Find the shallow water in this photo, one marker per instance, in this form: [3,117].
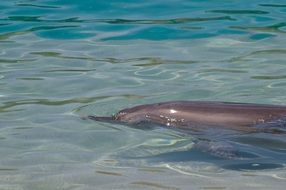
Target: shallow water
[62,59]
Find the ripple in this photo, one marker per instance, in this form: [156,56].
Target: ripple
[240,11]
[24,18]
[269,51]
[39,28]
[40,19]
[269,77]
[272,5]
[37,6]
[169,21]
[4,24]
[259,54]
[44,93]
[150,61]
[261,36]
[278,85]
[16,60]
[8,169]
[109,173]
[272,144]
[276,28]
[8,35]
[118,20]
[59,55]
[148,184]
[214,188]
[30,78]
[153,73]
[193,170]
[253,166]
[69,70]
[158,148]
[11,104]
[159,61]
[221,70]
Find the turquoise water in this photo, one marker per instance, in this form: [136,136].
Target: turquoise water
[64,59]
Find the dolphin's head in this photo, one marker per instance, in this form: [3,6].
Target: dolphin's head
[133,115]
[145,114]
[129,116]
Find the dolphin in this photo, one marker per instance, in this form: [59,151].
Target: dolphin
[198,117]
[195,115]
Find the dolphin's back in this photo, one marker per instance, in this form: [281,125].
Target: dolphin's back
[189,113]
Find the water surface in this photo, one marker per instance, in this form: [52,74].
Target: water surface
[63,59]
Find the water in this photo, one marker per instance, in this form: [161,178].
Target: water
[63,59]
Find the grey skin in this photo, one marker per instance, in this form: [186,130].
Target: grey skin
[204,118]
[198,114]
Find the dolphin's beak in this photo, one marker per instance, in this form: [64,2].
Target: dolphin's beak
[98,118]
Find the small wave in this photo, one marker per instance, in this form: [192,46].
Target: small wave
[239,11]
